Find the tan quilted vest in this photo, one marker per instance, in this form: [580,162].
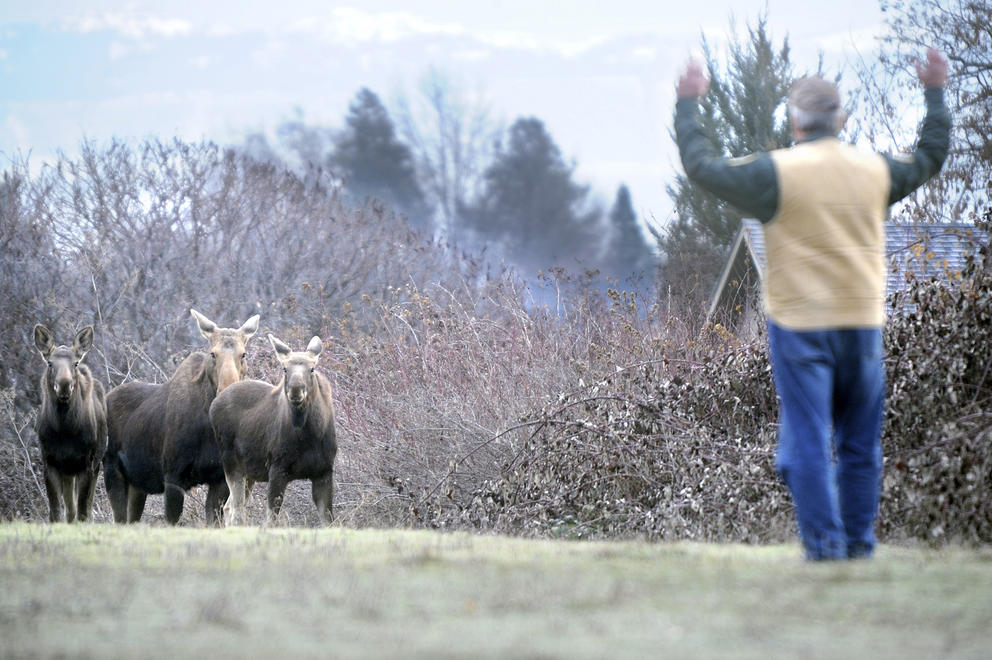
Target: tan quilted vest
[825,248]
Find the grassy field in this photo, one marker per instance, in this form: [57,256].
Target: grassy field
[144,591]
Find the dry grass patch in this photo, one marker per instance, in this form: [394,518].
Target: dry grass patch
[92,590]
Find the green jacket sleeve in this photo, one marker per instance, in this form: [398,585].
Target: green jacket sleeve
[910,171]
[749,183]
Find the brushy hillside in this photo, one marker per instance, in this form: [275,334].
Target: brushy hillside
[465,400]
[104,591]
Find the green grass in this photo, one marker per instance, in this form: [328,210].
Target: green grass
[140,591]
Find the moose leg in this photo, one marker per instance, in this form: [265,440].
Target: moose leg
[217,495]
[135,504]
[174,496]
[69,497]
[323,496]
[53,486]
[277,486]
[234,510]
[249,484]
[85,489]
[117,488]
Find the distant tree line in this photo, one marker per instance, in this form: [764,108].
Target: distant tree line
[509,195]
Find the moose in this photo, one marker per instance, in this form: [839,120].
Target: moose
[71,425]
[160,438]
[278,434]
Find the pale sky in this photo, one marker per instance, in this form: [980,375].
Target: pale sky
[600,75]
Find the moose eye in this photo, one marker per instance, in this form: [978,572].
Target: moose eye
[243,356]
[311,369]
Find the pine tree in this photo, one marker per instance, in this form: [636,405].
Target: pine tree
[628,254]
[373,162]
[530,209]
[741,115]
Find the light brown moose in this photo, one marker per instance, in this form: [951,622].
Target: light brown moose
[278,433]
[160,438]
[72,425]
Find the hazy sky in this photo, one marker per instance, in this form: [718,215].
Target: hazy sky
[600,75]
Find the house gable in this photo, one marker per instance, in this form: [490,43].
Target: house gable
[911,251]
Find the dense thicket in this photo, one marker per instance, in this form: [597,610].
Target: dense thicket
[129,237]
[462,402]
[680,442]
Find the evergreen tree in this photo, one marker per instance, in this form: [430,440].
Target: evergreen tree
[741,115]
[373,162]
[628,253]
[530,209]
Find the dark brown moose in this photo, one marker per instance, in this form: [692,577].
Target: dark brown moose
[160,439]
[278,433]
[72,425]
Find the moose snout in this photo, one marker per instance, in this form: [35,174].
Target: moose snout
[63,388]
[296,390]
[297,395]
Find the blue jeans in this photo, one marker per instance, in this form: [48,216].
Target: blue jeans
[831,389]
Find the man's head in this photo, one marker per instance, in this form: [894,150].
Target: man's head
[814,106]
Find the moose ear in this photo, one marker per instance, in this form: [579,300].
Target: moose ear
[83,342]
[44,340]
[281,349]
[249,328]
[315,346]
[206,326]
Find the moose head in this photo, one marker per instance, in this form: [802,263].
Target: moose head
[63,361]
[299,380]
[226,362]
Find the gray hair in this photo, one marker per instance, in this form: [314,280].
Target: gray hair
[813,122]
[814,106]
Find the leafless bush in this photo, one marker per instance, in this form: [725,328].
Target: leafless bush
[429,392]
[22,486]
[462,400]
[149,231]
[938,436]
[128,238]
[679,446]
[29,277]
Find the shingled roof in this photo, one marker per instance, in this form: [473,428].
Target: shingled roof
[911,250]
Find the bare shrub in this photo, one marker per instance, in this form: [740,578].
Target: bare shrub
[149,230]
[427,389]
[128,238]
[672,448]
[938,430]
[30,273]
[681,446]
[662,432]
[22,477]
[464,399]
